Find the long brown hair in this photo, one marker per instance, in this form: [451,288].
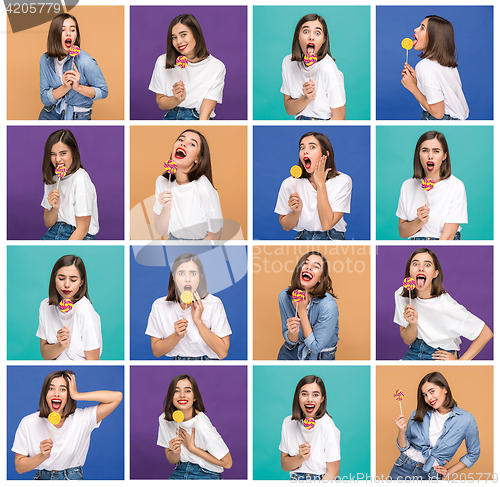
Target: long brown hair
[297,412]
[437,379]
[297,54]
[168,403]
[65,261]
[43,407]
[445,169]
[173,294]
[54,44]
[326,150]
[440,42]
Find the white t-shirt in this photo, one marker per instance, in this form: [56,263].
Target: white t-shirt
[324,439]
[165,313]
[447,203]
[206,438]
[78,198]
[439,83]
[83,323]
[328,80]
[201,80]
[441,320]
[71,440]
[339,196]
[195,208]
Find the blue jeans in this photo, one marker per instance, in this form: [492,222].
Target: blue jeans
[181,113]
[456,237]
[49,113]
[74,473]
[407,469]
[173,237]
[419,350]
[204,357]
[62,231]
[322,235]
[303,117]
[288,352]
[188,470]
[294,476]
[427,116]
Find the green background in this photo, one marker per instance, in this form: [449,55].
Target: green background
[471,156]
[348,402]
[349,33]
[28,275]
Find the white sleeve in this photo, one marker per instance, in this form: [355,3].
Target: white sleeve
[156,84]
[164,435]
[154,327]
[401,212]
[45,201]
[285,87]
[429,84]
[211,207]
[216,90]
[340,198]
[400,307]
[213,440]
[220,324]
[282,207]
[85,196]
[458,209]
[91,332]
[42,331]
[332,448]
[21,440]
[158,189]
[284,447]
[335,91]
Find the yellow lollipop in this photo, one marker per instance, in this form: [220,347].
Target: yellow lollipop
[296,172]
[407,44]
[187,298]
[178,416]
[54,418]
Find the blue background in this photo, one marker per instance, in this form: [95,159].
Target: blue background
[105,458]
[149,281]
[276,150]
[473,28]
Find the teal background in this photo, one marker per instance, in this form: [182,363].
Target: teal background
[348,402]
[471,155]
[28,275]
[349,33]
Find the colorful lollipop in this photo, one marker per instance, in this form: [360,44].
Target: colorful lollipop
[410,284]
[296,172]
[178,417]
[399,397]
[54,419]
[309,60]
[61,172]
[187,298]
[182,62]
[427,185]
[309,424]
[171,167]
[407,44]
[74,51]
[297,297]
[65,306]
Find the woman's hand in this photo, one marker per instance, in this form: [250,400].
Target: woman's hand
[320,173]
[423,214]
[72,78]
[305,450]
[295,203]
[293,325]
[309,90]
[175,444]
[302,305]
[408,77]
[64,337]
[187,439]
[410,314]
[46,447]
[444,355]
[442,470]
[73,393]
[165,199]
[196,308]
[179,91]
[54,199]
[180,327]
[401,422]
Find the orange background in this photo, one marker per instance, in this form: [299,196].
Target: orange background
[272,272]
[472,388]
[151,146]
[101,36]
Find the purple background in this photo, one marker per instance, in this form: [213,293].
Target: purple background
[467,277]
[102,156]
[225,32]
[224,393]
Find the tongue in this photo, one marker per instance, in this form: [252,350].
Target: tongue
[420,282]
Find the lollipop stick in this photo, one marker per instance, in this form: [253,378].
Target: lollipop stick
[400,408]
[296,310]
[51,431]
[181,74]
[57,187]
[169,182]
[409,294]
[406,56]
[426,198]
[295,184]
[310,77]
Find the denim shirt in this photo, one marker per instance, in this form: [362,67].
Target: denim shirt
[323,316]
[90,75]
[458,426]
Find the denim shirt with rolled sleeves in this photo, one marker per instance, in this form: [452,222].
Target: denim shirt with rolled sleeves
[323,316]
[458,426]
[90,75]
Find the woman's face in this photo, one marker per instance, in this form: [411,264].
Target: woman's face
[311,36]
[68,282]
[434,395]
[69,34]
[432,156]
[57,395]
[186,150]
[311,272]
[187,277]
[183,40]
[421,37]
[310,398]
[422,269]
[310,153]
[61,154]
[184,398]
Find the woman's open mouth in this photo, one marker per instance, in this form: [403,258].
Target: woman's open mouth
[433,402]
[56,404]
[421,278]
[306,276]
[309,408]
[180,153]
[430,165]
[307,162]
[68,42]
[415,41]
[181,48]
[187,287]
[310,47]
[182,402]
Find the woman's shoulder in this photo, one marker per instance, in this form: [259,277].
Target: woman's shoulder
[340,179]
[161,60]
[84,304]
[328,300]
[283,296]
[210,298]
[204,183]
[44,303]
[162,301]
[398,292]
[288,59]
[212,60]
[411,183]
[464,413]
[31,418]
[327,422]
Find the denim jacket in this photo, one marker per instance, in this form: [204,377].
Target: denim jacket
[90,75]
[323,315]
[458,426]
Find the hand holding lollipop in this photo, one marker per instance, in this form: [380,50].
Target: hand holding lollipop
[298,296]
[73,52]
[171,167]
[427,185]
[296,172]
[407,44]
[410,284]
[182,62]
[61,172]
[399,397]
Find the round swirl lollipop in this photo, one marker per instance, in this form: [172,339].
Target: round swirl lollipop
[310,59]
[182,62]
[410,284]
[54,418]
[61,172]
[309,423]
[178,417]
[74,51]
[171,167]
[296,172]
[427,185]
[399,397]
[66,305]
[407,44]
[298,296]
[187,298]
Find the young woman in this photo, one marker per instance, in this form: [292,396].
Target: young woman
[195,331]
[434,322]
[438,213]
[434,433]
[311,326]
[200,457]
[58,452]
[310,454]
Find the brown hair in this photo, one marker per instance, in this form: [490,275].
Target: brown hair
[168,403]
[54,44]
[297,412]
[440,42]
[326,150]
[437,283]
[445,170]
[65,261]
[323,286]
[67,138]
[201,168]
[297,54]
[200,52]
[422,407]
[43,407]
[173,294]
